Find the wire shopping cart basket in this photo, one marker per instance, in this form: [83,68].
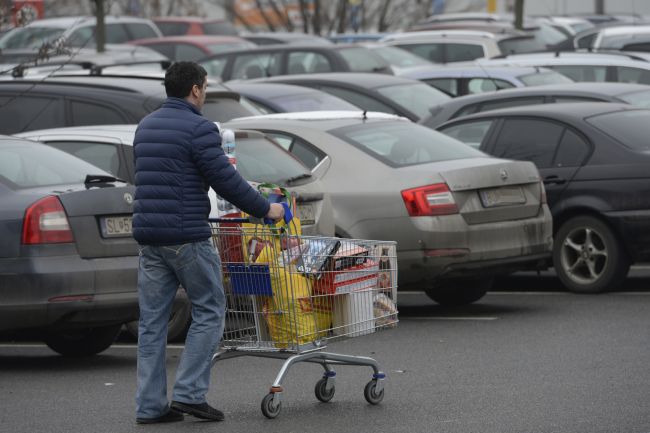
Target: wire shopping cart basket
[288,295]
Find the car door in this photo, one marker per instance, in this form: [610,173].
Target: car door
[557,150]
[27,112]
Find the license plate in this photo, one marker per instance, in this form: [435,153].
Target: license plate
[306,215]
[504,196]
[116,226]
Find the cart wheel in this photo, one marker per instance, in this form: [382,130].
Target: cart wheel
[270,409]
[321,391]
[370,393]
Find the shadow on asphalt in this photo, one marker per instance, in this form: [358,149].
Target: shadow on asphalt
[482,309]
[55,362]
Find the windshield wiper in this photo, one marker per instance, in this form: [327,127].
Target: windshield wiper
[101,178]
[298,177]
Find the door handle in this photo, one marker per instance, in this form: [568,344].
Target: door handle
[554,179]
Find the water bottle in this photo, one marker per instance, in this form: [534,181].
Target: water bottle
[228,145]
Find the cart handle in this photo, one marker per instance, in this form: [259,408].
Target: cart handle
[288,216]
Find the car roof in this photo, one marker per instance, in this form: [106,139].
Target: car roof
[569,58]
[319,120]
[360,79]
[269,90]
[574,110]
[288,36]
[71,21]
[435,34]
[478,70]
[188,19]
[625,30]
[196,39]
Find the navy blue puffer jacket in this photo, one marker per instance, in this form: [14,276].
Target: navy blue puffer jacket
[177,155]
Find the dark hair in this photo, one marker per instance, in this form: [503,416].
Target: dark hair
[182,76]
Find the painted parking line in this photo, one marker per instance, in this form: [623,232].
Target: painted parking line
[404,319]
[113,346]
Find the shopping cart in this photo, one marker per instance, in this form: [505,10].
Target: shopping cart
[289,295]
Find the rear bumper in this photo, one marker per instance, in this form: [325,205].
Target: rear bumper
[634,228]
[67,291]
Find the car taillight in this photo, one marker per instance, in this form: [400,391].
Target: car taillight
[45,222]
[542,194]
[429,200]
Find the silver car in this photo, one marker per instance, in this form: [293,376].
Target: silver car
[459,216]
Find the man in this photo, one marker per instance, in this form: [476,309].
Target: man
[177,155]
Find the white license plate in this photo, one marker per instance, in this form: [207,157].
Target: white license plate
[504,196]
[116,226]
[306,215]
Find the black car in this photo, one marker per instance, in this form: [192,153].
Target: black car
[39,103]
[628,93]
[594,159]
[68,262]
[373,92]
[290,59]
[291,38]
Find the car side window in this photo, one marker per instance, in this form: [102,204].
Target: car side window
[305,152]
[140,31]
[358,99]
[214,67]
[361,59]
[528,140]
[560,99]
[29,113]
[582,73]
[102,155]
[258,65]
[463,52]
[303,62]
[447,85]
[572,151]
[116,34]
[513,102]
[472,133]
[632,75]
[84,113]
[165,49]
[430,51]
[188,53]
[480,85]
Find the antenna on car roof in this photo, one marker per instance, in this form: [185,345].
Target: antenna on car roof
[365,115]
[487,74]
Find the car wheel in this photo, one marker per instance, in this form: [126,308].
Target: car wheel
[588,257]
[179,323]
[82,342]
[455,293]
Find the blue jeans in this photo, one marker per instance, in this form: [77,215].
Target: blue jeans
[197,267]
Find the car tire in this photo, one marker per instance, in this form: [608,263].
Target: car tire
[455,293]
[82,342]
[179,323]
[588,257]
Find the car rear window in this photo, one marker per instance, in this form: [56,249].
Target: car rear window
[400,144]
[638,99]
[219,28]
[261,160]
[224,109]
[520,45]
[629,127]
[315,101]
[25,164]
[416,97]
[173,29]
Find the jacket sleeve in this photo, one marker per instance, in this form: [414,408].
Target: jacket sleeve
[221,175]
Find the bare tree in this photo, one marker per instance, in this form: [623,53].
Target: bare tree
[266,18]
[342,16]
[316,19]
[100,26]
[383,26]
[282,17]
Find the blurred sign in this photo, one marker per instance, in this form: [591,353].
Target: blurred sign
[248,11]
[25,11]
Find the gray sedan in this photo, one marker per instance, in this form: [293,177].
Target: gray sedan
[458,215]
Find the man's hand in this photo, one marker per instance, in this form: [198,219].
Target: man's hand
[276,212]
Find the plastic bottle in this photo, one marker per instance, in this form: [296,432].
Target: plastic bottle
[228,145]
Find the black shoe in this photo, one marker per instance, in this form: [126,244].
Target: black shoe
[202,410]
[171,416]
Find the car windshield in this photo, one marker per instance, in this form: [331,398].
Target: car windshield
[415,97]
[222,48]
[25,165]
[261,160]
[639,99]
[399,57]
[316,101]
[541,78]
[224,109]
[520,45]
[29,37]
[400,144]
[361,59]
[629,127]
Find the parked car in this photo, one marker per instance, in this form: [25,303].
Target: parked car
[634,94]
[293,59]
[78,31]
[193,48]
[353,38]
[472,79]
[585,66]
[624,38]
[391,179]
[38,103]
[373,92]
[594,159]
[67,258]
[179,26]
[281,98]
[258,159]
[290,38]
[570,26]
